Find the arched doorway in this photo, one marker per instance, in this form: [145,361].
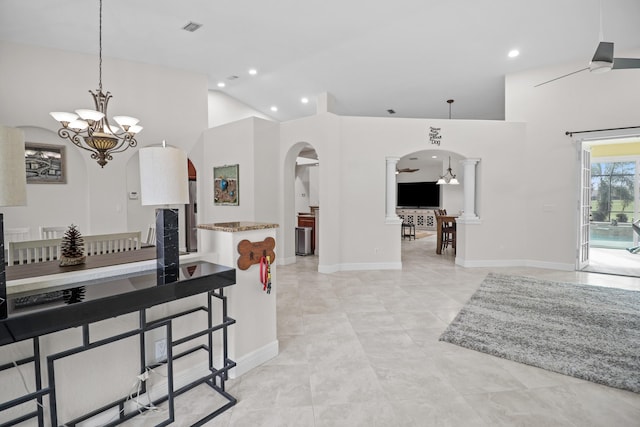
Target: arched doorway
[301,199]
[426,181]
[191,210]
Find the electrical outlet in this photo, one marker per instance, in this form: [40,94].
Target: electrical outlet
[161,349]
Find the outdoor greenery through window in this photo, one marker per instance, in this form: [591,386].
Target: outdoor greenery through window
[612,203]
[612,191]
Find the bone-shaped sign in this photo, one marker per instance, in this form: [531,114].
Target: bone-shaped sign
[251,252]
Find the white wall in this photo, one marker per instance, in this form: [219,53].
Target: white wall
[548,168]
[267,194]
[225,109]
[171,104]
[249,143]
[307,190]
[497,144]
[314,185]
[352,199]
[42,208]
[302,188]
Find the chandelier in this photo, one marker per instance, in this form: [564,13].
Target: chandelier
[448,177]
[92,127]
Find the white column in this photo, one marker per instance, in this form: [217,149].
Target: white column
[469,214]
[391,217]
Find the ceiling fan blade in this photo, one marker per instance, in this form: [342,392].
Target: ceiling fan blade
[561,77]
[604,52]
[622,63]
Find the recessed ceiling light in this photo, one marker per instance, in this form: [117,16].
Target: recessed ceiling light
[304,100]
[274,108]
[513,53]
[434,157]
[253,71]
[221,84]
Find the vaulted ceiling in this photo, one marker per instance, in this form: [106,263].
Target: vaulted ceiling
[409,56]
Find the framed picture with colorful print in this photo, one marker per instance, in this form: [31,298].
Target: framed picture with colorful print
[225,185]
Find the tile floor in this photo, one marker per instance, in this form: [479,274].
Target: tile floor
[613,261]
[362,349]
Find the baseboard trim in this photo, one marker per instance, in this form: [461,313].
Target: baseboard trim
[285,261]
[254,359]
[361,266]
[551,265]
[515,263]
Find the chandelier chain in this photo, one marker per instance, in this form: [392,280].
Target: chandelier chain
[100,51]
[90,129]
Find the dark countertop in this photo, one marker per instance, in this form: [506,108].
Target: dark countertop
[39,313]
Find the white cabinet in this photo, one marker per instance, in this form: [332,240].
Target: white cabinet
[423,219]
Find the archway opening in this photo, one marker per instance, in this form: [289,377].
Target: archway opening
[301,203]
[426,185]
[191,210]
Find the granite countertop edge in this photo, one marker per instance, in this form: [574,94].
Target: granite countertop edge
[236,226]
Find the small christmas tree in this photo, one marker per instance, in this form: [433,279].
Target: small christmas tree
[72,247]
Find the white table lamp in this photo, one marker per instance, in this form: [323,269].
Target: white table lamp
[164,181]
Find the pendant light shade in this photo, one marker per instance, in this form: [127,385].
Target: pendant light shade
[449,177]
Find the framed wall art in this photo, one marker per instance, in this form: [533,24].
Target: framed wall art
[225,185]
[44,163]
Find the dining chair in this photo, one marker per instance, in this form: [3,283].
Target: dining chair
[19,234]
[32,251]
[448,231]
[449,235]
[16,234]
[52,232]
[151,236]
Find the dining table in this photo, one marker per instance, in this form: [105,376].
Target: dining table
[23,271]
[441,219]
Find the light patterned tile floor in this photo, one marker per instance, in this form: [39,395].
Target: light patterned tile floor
[362,349]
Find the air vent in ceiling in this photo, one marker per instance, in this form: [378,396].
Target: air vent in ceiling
[232,77]
[191,26]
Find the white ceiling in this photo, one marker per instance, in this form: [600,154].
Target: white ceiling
[371,55]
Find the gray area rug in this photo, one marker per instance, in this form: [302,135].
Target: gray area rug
[588,332]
